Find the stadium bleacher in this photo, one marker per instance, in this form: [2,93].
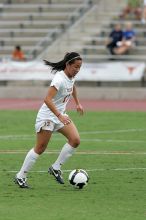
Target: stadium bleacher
[90,32]
[95,44]
[84,26]
[34,25]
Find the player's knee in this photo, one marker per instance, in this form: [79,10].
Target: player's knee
[75,142]
[39,149]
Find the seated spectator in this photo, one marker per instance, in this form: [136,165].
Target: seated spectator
[143,20]
[18,54]
[115,36]
[128,40]
[133,7]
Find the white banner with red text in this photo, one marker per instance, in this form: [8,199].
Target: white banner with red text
[112,71]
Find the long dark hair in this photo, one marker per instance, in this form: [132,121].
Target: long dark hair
[69,58]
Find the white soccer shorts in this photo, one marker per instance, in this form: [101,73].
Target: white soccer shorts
[48,126]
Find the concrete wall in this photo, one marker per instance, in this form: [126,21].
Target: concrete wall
[36,92]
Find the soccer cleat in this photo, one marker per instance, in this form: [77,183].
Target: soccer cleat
[56,174]
[21,182]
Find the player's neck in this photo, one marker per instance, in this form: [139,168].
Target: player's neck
[67,74]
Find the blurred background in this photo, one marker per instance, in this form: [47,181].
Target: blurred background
[109,35]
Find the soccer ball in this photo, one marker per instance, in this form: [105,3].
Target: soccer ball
[78,178]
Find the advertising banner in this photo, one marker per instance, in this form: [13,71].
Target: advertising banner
[112,71]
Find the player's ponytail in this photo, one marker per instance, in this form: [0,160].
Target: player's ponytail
[69,58]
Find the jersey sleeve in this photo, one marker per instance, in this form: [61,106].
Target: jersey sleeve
[56,82]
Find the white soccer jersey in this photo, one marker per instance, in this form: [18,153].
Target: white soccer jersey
[64,87]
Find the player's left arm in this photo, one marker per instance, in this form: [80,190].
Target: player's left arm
[78,105]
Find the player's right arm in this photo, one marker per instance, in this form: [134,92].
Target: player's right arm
[49,102]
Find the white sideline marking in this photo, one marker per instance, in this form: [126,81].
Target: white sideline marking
[113,131]
[88,140]
[82,139]
[112,140]
[25,136]
[78,152]
[88,170]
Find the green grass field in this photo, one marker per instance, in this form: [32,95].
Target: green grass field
[112,151]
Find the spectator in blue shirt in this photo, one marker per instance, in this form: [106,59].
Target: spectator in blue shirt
[129,33]
[128,40]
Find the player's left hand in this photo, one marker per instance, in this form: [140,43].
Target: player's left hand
[80,109]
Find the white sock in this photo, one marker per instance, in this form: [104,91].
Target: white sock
[66,152]
[30,159]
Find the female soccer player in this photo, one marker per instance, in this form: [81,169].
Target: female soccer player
[52,117]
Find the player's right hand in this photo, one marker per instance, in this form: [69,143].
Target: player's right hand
[64,119]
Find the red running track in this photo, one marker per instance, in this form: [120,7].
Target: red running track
[94,105]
